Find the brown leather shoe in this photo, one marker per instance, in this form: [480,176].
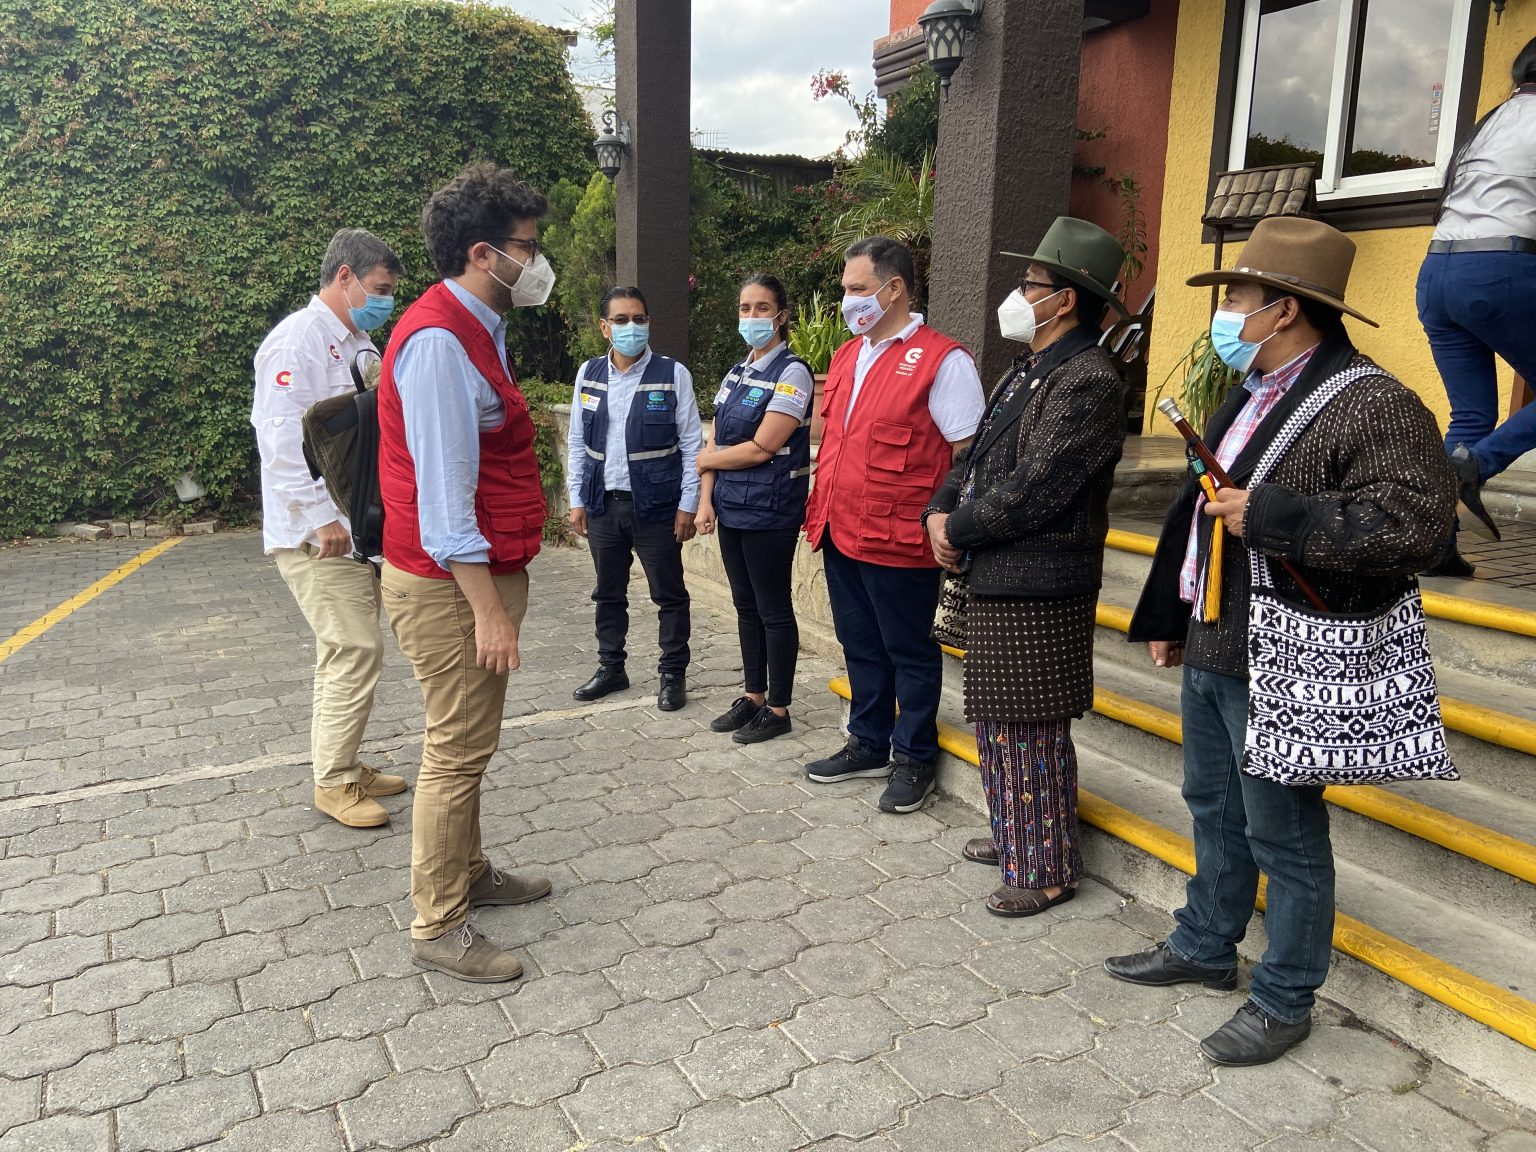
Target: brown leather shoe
[465,954]
[381,783]
[351,805]
[500,888]
[1009,901]
[981,851]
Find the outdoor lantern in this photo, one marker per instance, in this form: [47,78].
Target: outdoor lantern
[946,23]
[1498,11]
[611,145]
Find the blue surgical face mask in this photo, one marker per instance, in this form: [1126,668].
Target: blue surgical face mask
[630,339]
[1227,338]
[375,310]
[758,331]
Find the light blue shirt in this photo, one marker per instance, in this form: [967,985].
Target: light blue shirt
[621,393]
[446,403]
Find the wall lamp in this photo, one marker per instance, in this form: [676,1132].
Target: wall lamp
[611,144]
[946,24]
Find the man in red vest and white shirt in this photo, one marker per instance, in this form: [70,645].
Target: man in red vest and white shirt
[463,516]
[901,398]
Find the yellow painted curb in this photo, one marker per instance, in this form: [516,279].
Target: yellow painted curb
[35,629]
[1503,1011]
[1440,605]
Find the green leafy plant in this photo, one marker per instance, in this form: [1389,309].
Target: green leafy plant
[1206,381]
[172,173]
[817,332]
[1133,224]
[890,198]
[549,448]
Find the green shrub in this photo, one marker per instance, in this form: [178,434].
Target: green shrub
[170,173]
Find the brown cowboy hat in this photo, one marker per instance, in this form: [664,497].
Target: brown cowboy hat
[1298,256]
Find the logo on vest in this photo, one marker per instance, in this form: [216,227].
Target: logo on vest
[908,365]
[590,401]
[753,398]
[656,402]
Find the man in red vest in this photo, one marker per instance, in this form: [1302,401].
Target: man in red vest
[900,399]
[463,516]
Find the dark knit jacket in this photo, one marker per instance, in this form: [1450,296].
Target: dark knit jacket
[1363,499]
[1036,523]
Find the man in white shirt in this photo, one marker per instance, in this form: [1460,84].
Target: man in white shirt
[310,356]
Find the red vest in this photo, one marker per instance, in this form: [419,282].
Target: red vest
[509,497]
[875,476]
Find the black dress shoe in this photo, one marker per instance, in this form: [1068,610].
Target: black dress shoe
[606,680]
[1157,967]
[738,715]
[764,726]
[1470,491]
[673,693]
[1453,564]
[1253,1036]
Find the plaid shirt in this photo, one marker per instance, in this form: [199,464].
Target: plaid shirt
[1265,392]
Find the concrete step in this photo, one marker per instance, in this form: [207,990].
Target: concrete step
[1442,977]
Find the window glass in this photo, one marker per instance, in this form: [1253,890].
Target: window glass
[1400,85]
[1292,79]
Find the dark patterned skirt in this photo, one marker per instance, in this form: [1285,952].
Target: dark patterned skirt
[1028,659]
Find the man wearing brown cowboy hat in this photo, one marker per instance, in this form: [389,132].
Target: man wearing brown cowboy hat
[1361,499]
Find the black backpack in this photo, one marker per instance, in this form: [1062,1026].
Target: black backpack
[341,447]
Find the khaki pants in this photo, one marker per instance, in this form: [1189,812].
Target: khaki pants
[340,600]
[435,625]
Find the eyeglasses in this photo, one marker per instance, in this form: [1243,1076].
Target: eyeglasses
[642,318]
[529,246]
[1028,284]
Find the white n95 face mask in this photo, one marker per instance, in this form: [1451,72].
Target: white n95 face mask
[1016,316]
[533,286]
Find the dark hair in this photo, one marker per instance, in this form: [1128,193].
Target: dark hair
[1524,69]
[780,297]
[1324,317]
[1089,308]
[359,250]
[482,203]
[622,292]
[891,259]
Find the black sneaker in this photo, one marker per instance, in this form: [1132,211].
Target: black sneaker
[739,715]
[911,782]
[764,726]
[847,763]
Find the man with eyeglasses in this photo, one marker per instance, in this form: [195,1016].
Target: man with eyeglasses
[463,516]
[634,489]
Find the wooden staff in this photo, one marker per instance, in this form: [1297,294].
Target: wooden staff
[1170,408]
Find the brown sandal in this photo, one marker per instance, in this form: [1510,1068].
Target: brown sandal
[981,851]
[1009,901]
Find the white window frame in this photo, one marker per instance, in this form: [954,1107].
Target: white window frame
[1332,185]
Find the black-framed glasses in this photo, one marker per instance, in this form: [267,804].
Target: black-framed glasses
[1028,284]
[642,318]
[529,246]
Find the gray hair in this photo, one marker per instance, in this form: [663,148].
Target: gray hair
[361,251]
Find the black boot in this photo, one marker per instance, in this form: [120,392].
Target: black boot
[608,678]
[673,693]
[1470,492]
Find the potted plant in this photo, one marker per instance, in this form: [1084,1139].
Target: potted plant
[818,331]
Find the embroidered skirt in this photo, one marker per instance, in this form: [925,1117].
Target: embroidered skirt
[1029,773]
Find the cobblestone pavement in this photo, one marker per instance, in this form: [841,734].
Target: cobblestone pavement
[732,958]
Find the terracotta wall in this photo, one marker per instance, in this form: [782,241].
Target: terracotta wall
[904,13]
[1124,86]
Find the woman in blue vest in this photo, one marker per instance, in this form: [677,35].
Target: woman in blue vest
[755,477]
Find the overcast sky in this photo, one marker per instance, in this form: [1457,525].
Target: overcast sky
[752,65]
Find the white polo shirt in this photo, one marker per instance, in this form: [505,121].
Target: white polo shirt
[307,358]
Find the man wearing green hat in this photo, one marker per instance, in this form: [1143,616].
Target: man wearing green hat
[1025,513]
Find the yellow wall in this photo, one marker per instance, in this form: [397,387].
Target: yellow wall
[1387,261]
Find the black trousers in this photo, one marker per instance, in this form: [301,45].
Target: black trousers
[615,539]
[758,565]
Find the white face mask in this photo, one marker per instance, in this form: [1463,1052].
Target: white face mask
[533,286]
[861,313]
[1016,316]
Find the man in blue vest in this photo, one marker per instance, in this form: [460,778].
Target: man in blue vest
[634,489]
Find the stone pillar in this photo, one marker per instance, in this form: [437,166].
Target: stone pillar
[1006,140]
[652,42]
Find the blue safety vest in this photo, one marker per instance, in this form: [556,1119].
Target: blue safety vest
[650,439]
[772,494]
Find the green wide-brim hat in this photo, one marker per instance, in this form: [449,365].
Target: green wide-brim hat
[1083,254]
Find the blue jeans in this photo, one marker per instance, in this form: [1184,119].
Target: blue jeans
[1474,305]
[884,621]
[1242,825]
